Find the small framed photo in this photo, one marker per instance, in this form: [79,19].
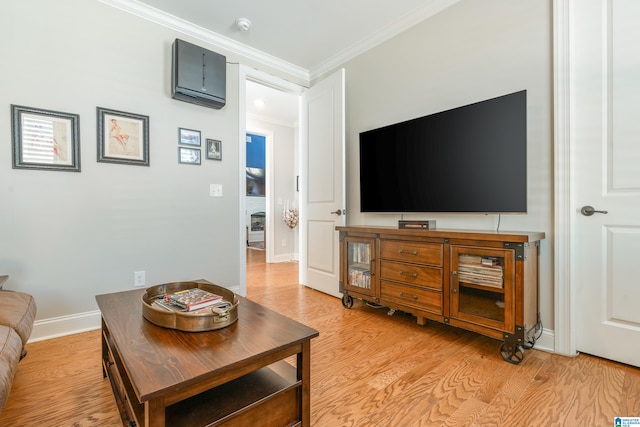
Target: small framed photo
[123,137]
[44,139]
[189,136]
[189,156]
[214,149]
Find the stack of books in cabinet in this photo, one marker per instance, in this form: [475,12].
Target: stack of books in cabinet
[480,270]
[360,265]
[360,278]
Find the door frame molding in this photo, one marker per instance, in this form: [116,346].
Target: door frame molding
[564,215]
[247,73]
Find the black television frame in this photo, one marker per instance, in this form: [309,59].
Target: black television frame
[469,159]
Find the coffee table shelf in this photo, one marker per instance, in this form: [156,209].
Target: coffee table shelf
[235,402]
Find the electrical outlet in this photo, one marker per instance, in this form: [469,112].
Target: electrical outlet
[215,190]
[139,278]
[284,242]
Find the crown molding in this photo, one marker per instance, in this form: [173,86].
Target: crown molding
[172,22]
[418,15]
[160,17]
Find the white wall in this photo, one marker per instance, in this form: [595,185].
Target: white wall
[65,237]
[473,51]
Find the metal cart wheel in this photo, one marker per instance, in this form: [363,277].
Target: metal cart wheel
[512,354]
[347,301]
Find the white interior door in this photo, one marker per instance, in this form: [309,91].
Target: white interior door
[604,70]
[322,193]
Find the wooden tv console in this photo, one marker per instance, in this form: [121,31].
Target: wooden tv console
[482,281]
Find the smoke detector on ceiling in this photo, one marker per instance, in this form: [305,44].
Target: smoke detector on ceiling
[243,24]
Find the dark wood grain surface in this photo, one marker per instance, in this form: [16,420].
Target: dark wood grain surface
[161,361]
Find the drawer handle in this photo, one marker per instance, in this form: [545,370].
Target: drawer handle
[402,273]
[403,251]
[415,297]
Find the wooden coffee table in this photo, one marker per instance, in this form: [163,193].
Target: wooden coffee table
[236,375]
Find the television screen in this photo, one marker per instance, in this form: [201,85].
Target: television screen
[255,182]
[256,163]
[468,159]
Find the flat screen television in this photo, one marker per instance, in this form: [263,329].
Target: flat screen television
[255,182]
[467,159]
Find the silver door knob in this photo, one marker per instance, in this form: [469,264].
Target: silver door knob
[337,212]
[589,210]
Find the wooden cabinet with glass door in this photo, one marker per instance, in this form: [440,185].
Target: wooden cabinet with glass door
[482,281]
[358,268]
[494,291]
[482,287]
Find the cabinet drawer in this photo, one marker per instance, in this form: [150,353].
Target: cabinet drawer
[420,275]
[422,253]
[422,299]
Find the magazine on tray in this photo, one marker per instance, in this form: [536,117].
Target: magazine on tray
[193,299]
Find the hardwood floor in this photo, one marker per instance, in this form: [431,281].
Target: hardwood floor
[368,369]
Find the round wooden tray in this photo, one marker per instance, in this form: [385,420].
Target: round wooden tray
[202,320]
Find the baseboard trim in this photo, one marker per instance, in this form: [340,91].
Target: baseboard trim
[55,327]
[546,342]
[285,258]
[235,289]
[65,325]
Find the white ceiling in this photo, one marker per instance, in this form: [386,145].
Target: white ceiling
[305,33]
[279,107]
[305,37]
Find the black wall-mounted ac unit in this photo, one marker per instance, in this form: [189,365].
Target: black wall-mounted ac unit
[198,75]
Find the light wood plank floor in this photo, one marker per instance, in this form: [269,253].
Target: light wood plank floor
[368,369]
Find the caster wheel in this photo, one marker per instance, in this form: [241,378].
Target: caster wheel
[512,354]
[347,301]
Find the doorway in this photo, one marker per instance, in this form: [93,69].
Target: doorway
[256,215]
[272,114]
